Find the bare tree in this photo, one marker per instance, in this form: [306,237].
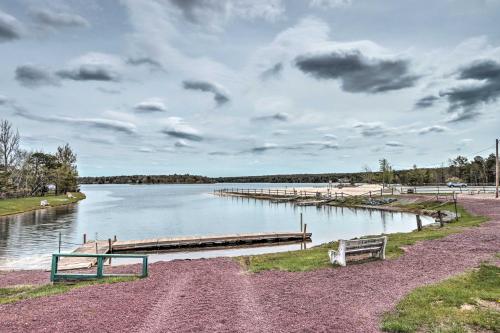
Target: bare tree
[368,173]
[9,144]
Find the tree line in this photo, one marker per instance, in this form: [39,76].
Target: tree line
[148,179]
[479,170]
[33,173]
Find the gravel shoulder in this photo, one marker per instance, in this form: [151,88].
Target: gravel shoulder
[215,295]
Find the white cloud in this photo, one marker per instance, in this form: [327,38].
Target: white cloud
[176,127]
[154,104]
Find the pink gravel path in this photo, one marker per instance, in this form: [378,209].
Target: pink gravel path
[215,295]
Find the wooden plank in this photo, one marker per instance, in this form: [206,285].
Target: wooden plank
[206,241]
[68,263]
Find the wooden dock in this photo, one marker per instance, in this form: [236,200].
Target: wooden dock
[177,243]
[83,262]
[209,241]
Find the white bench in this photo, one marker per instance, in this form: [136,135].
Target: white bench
[375,246]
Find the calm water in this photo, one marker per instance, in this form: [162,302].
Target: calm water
[145,211]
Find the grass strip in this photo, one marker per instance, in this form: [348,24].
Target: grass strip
[317,257]
[21,205]
[18,293]
[466,303]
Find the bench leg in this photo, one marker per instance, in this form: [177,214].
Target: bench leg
[338,256]
[382,251]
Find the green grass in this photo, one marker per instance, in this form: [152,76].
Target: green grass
[15,206]
[468,302]
[17,293]
[317,257]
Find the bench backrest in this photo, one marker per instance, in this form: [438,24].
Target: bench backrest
[364,243]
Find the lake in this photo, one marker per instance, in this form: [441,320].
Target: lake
[148,211]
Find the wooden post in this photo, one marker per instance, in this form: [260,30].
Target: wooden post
[440,218]
[419,223]
[301,223]
[305,231]
[456,211]
[96,251]
[110,249]
[497,169]
[84,238]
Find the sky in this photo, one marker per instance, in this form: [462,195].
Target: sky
[251,87]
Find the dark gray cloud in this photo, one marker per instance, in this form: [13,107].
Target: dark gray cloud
[182,134]
[140,61]
[426,102]
[89,72]
[464,100]
[481,70]
[273,72]
[52,19]
[10,27]
[481,87]
[220,96]
[98,123]
[33,76]
[358,73]
[464,115]
[280,116]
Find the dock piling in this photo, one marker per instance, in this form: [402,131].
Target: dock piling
[440,218]
[419,223]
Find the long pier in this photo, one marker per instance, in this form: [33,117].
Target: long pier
[173,243]
[209,241]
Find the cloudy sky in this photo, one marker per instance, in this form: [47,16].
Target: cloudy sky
[247,87]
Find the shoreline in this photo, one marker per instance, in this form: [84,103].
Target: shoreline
[193,288]
[29,204]
[395,209]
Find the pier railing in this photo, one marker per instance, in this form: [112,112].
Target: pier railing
[56,276]
[286,193]
[439,191]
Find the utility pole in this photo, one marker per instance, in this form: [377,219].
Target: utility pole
[497,171]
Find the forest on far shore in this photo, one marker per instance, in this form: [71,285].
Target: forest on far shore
[479,170]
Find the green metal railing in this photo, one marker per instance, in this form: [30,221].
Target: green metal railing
[55,276]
